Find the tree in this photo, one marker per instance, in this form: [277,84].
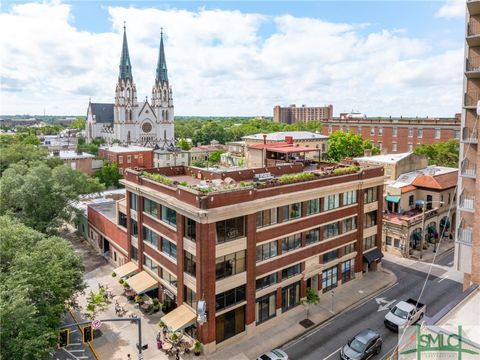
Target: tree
[214,157]
[17,151]
[108,174]
[344,144]
[39,196]
[38,275]
[78,123]
[96,302]
[441,154]
[183,144]
[312,298]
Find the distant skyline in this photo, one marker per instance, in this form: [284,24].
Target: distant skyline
[237,58]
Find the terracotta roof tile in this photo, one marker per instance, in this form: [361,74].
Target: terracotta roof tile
[408,188]
[439,182]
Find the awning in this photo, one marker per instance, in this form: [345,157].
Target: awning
[179,318]
[417,236]
[142,282]
[373,255]
[445,223]
[126,269]
[392,198]
[432,229]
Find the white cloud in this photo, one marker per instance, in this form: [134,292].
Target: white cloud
[219,64]
[452,8]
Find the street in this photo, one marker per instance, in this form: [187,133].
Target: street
[445,259]
[325,341]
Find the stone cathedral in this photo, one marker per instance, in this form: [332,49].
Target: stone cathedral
[131,122]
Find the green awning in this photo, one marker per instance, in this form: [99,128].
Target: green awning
[392,198]
[432,229]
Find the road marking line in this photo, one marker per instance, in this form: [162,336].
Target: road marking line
[450,263]
[443,278]
[333,353]
[388,353]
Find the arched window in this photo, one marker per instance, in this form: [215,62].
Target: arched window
[165,134]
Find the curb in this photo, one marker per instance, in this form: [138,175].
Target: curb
[333,316]
[78,326]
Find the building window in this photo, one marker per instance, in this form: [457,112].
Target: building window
[134,227]
[394,146]
[370,195]
[329,256]
[120,159]
[230,324]
[380,131]
[265,307]
[122,219]
[396,243]
[291,243]
[437,133]
[370,219]
[151,237]
[369,242]
[292,211]
[169,216]
[129,159]
[169,278]
[372,131]
[330,230]
[266,281]
[229,265]
[410,132]
[359,130]
[429,204]
[379,145]
[348,270]
[410,147]
[147,261]
[411,200]
[312,236]
[169,248]
[457,134]
[419,133]
[190,230]
[229,298]
[267,250]
[150,207]
[313,206]
[189,263]
[189,297]
[290,271]
[329,279]
[266,217]
[394,132]
[133,201]
[349,248]
[388,240]
[329,129]
[231,229]
[331,202]
[290,296]
[349,197]
[134,253]
[349,224]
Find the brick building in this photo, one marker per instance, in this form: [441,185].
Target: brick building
[397,135]
[246,251]
[127,156]
[293,114]
[467,248]
[78,160]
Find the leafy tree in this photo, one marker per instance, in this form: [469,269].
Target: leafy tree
[96,302]
[17,151]
[91,148]
[108,174]
[214,157]
[312,298]
[78,123]
[183,144]
[344,144]
[38,275]
[39,196]
[442,154]
[199,163]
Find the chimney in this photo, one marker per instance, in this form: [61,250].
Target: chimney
[289,139]
[264,138]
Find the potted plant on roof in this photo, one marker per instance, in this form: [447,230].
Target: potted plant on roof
[197,348]
[114,274]
[121,281]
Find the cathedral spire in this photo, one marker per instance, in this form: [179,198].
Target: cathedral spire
[162,64]
[125,65]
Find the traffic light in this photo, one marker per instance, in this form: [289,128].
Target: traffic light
[87,333]
[63,338]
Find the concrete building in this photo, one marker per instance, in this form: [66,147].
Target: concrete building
[302,114]
[427,195]
[127,156]
[225,255]
[167,157]
[78,160]
[395,164]
[396,135]
[467,250]
[235,154]
[202,152]
[300,138]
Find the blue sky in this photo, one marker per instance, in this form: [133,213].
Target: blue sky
[327,51]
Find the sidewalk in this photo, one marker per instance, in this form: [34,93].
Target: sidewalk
[442,247]
[276,332]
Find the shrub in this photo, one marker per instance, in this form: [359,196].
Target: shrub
[346,170]
[114,274]
[158,178]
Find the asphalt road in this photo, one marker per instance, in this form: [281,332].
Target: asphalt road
[324,342]
[446,259]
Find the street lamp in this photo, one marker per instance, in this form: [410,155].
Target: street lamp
[423,223]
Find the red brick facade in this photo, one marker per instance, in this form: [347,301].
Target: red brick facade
[128,159]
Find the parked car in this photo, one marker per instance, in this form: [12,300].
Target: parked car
[405,313]
[276,354]
[362,346]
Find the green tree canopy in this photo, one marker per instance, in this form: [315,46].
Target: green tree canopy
[348,144]
[78,123]
[214,157]
[183,144]
[108,174]
[38,274]
[442,154]
[13,151]
[39,196]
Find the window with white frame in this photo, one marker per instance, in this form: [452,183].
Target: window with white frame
[331,202]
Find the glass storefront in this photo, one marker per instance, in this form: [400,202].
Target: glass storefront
[290,296]
[329,279]
[230,324]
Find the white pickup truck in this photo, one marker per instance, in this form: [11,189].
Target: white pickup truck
[405,313]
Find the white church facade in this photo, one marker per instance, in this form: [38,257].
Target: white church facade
[129,122]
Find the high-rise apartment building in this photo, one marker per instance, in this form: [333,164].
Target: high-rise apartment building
[467,247]
[293,114]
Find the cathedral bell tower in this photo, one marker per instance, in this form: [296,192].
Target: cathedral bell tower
[162,102]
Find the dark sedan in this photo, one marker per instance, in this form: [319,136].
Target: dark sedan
[362,346]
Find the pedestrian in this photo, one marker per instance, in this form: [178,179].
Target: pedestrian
[128,357]
[177,354]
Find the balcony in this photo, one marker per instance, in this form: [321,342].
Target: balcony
[465,235]
[471,99]
[473,7]
[472,68]
[473,33]
[467,202]
[469,136]
[468,169]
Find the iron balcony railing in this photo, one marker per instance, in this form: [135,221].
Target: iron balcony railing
[469,135]
[467,201]
[471,98]
[468,168]
[465,235]
[473,63]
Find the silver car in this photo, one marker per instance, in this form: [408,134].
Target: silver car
[362,346]
[275,354]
